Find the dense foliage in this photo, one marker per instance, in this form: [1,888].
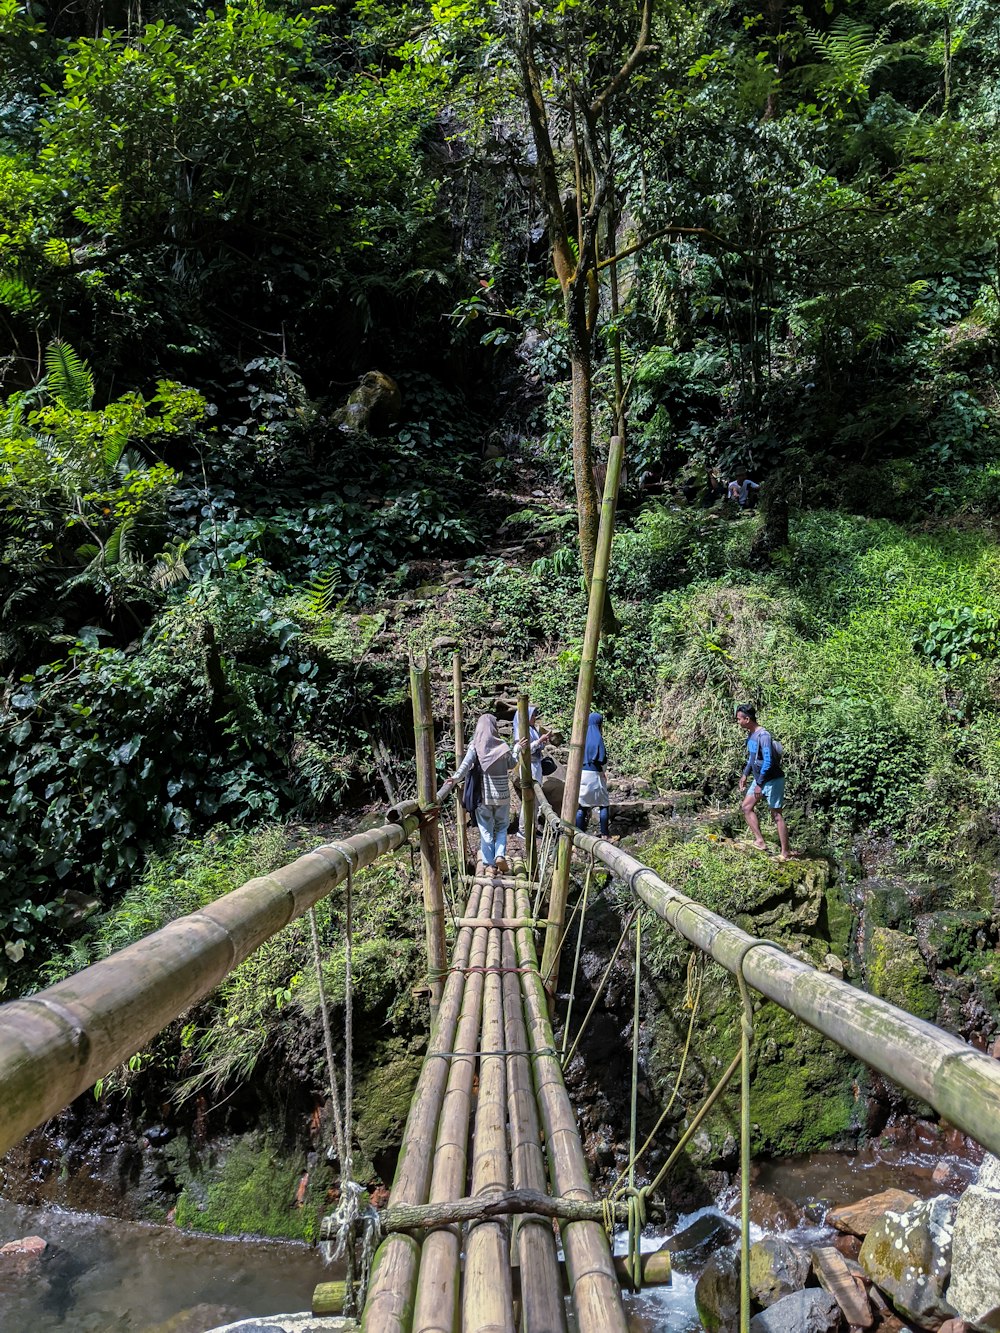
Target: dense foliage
[214,223]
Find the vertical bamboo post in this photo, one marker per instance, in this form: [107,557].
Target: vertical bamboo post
[527,789]
[456,692]
[430,849]
[584,694]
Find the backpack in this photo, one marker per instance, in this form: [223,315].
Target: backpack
[472,792]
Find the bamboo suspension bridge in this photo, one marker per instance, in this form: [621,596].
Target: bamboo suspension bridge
[491,1158]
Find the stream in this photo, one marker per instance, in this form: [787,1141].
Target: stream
[129,1277]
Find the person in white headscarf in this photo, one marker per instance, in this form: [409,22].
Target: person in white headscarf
[496,759]
[538,739]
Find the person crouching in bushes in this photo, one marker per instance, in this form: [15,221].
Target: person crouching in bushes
[593,784]
[495,758]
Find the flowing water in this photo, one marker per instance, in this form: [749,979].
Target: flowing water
[103,1276]
[125,1277]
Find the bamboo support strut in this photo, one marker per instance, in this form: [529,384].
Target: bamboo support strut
[959,1082]
[430,846]
[527,788]
[584,695]
[508,1203]
[461,839]
[59,1042]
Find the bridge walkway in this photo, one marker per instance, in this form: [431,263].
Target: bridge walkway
[491,1113]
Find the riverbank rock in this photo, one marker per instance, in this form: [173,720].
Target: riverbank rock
[974,1289]
[32,1245]
[844,1280]
[897,972]
[776,1269]
[810,1311]
[908,1256]
[691,1248]
[717,1293]
[859,1218]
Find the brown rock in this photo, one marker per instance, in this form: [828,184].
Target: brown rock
[847,1245]
[770,1212]
[27,1245]
[954,1326]
[995,1049]
[859,1218]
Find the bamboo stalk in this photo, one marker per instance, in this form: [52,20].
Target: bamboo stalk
[584,695]
[430,847]
[959,1082]
[437,1303]
[542,1306]
[59,1042]
[527,788]
[389,1305]
[594,1286]
[459,726]
[488,1301]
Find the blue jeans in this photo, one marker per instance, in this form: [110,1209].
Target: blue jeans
[583,818]
[493,821]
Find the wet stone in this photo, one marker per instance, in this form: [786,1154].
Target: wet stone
[776,1270]
[717,1294]
[692,1247]
[810,1311]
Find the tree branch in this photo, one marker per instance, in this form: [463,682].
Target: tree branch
[641,49]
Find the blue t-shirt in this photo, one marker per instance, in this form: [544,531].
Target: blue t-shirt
[762,763]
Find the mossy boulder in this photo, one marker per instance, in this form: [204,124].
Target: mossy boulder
[382,1099]
[249,1186]
[897,972]
[908,1256]
[961,941]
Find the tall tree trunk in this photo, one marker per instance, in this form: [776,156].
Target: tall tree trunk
[587,500]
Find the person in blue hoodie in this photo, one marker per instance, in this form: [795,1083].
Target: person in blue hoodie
[764,774]
[593,784]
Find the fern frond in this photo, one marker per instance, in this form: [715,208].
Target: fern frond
[18,295]
[322,592]
[68,377]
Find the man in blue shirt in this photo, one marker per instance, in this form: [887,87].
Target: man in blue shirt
[764,773]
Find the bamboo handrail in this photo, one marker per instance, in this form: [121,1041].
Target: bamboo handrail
[430,842]
[960,1083]
[59,1042]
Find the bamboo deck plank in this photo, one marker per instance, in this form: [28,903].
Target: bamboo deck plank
[543,1308]
[488,1301]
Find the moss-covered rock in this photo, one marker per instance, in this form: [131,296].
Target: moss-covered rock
[382,1099]
[959,940]
[897,972]
[247,1185]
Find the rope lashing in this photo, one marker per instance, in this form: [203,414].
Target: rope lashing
[692,999]
[576,956]
[636,1200]
[600,989]
[343,1221]
[746,1041]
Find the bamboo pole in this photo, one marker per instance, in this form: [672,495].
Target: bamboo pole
[488,1300]
[437,1299]
[459,726]
[593,1283]
[389,1304]
[542,1306]
[430,846]
[584,694]
[527,788]
[59,1042]
[959,1082]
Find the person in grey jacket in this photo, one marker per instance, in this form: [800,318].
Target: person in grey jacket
[538,739]
[496,758]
